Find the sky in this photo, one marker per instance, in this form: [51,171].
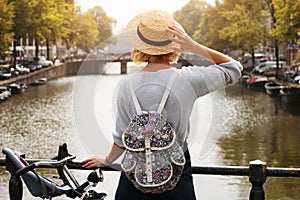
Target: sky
[124,10]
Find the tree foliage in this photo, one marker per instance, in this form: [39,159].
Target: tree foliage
[6,21]
[287,14]
[21,11]
[227,25]
[285,26]
[41,19]
[104,23]
[200,20]
[208,31]
[84,33]
[54,20]
[246,24]
[89,29]
[240,24]
[190,15]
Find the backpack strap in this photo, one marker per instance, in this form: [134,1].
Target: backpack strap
[137,106]
[163,100]
[167,92]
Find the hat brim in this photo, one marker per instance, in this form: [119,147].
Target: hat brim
[137,43]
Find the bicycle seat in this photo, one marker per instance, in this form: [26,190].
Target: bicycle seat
[38,185]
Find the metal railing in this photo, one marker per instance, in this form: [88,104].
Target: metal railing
[257,171]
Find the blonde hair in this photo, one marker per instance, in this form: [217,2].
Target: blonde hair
[139,57]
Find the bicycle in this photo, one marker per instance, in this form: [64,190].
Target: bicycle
[40,186]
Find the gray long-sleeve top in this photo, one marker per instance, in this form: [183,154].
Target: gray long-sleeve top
[191,83]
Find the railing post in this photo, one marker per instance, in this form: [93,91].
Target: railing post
[257,176]
[15,188]
[15,182]
[123,66]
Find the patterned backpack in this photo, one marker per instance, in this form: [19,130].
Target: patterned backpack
[154,159]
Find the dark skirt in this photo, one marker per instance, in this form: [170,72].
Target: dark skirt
[183,190]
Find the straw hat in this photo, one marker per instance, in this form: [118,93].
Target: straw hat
[146,32]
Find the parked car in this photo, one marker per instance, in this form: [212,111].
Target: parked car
[267,68]
[13,71]
[5,72]
[34,66]
[44,62]
[31,64]
[21,69]
[247,62]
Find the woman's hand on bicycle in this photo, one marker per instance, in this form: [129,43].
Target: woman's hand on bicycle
[114,154]
[93,162]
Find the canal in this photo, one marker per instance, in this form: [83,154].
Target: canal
[253,126]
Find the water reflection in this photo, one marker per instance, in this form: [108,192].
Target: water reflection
[257,127]
[39,113]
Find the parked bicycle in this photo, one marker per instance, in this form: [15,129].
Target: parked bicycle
[40,186]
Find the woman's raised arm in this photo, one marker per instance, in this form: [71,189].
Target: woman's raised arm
[189,45]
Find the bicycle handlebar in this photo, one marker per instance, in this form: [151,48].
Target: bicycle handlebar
[25,169]
[44,164]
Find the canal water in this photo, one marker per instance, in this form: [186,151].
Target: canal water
[253,126]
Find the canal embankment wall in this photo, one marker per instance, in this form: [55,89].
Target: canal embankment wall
[59,70]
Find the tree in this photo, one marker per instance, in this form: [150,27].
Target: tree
[287,23]
[208,31]
[88,29]
[273,36]
[190,15]
[287,18]
[246,24]
[57,19]
[104,23]
[6,21]
[45,21]
[298,54]
[20,27]
[42,20]
[199,21]
[62,13]
[84,32]
[226,26]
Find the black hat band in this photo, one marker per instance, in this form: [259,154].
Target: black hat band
[151,42]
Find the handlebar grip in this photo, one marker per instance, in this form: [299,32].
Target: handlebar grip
[25,169]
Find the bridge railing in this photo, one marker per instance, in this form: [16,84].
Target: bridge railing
[257,171]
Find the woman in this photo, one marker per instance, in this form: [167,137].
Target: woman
[157,40]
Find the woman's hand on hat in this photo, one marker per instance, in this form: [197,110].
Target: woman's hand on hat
[186,43]
[94,162]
